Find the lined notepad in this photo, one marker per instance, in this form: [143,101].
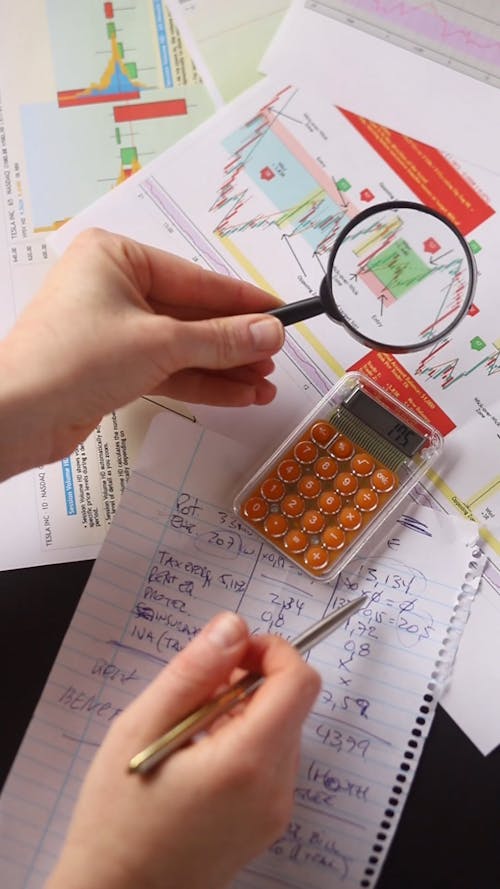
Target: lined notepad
[175,556]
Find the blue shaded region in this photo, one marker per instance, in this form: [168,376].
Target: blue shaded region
[166,65]
[69,488]
[120,83]
[290,187]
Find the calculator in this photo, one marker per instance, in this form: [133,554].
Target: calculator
[338,476]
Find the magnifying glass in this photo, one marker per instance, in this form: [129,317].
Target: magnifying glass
[400,277]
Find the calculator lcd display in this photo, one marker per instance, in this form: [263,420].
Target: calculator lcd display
[384,422]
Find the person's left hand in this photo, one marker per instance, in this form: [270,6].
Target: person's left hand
[115,320]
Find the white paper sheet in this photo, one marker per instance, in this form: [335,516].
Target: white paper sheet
[65,139]
[391,85]
[175,555]
[241,222]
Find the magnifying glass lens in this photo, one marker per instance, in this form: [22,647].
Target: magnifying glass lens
[401,277]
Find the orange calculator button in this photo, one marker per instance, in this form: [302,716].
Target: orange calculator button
[293,506]
[362,464]
[333,537]
[289,471]
[322,433]
[350,518]
[296,541]
[305,452]
[309,486]
[383,480]
[316,558]
[342,448]
[255,509]
[366,499]
[325,468]
[276,525]
[312,521]
[346,484]
[329,502]
[272,489]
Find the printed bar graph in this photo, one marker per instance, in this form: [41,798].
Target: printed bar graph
[150,110]
[119,80]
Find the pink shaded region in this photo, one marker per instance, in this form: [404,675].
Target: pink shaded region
[372,283]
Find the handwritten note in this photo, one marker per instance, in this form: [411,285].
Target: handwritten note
[176,555]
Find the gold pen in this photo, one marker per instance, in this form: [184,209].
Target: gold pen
[200,719]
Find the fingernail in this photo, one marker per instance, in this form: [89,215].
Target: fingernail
[226,630]
[267,334]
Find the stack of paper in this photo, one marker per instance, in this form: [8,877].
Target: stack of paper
[339,115]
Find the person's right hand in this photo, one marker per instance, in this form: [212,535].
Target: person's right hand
[203,813]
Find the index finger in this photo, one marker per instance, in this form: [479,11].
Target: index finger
[282,702]
[199,293]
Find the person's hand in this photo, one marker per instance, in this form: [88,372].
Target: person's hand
[115,320]
[204,812]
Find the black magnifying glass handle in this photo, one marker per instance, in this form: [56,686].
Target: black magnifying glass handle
[298,311]
[309,308]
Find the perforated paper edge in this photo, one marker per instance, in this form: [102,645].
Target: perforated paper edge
[440,677]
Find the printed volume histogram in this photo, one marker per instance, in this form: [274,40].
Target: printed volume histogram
[119,80]
[126,89]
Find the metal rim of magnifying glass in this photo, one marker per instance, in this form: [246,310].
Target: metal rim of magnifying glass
[360,217]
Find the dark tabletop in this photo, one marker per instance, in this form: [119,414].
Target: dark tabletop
[449,834]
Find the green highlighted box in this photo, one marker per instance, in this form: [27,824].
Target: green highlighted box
[398,268]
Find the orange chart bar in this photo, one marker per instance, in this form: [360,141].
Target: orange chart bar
[72,98]
[149,110]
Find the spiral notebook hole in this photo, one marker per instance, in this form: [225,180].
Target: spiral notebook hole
[398,789]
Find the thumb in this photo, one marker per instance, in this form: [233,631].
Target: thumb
[223,343]
[191,677]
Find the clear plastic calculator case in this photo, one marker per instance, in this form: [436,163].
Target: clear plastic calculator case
[338,476]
